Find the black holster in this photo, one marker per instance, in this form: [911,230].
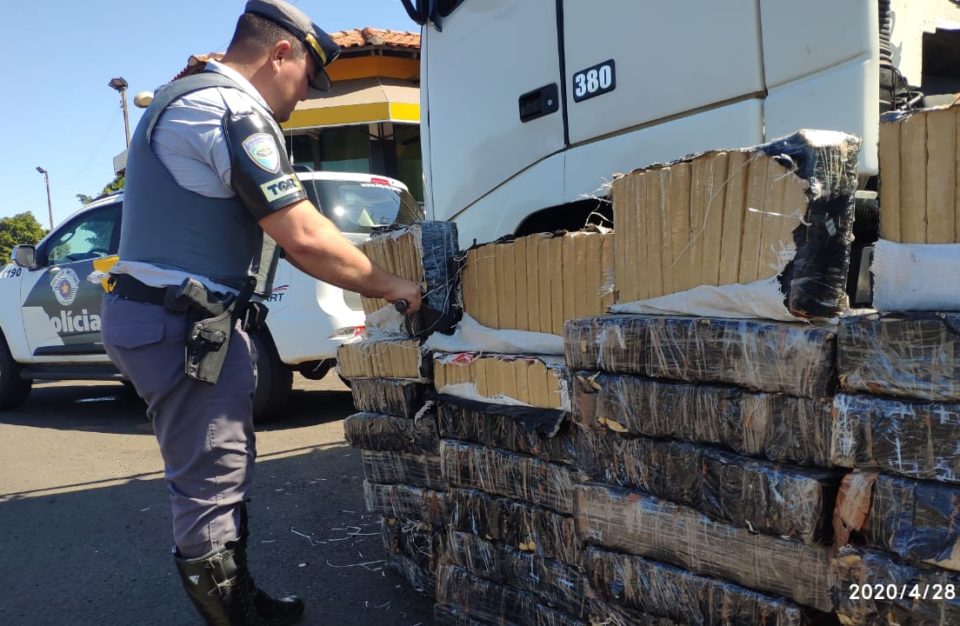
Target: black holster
[211,320]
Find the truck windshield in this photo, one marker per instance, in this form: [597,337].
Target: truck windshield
[360,206]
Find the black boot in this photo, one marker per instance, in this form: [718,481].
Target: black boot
[220,586]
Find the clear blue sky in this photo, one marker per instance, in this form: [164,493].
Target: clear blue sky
[55,106]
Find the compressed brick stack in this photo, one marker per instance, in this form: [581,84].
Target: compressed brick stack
[507,448]
[396,427]
[898,424]
[702,438]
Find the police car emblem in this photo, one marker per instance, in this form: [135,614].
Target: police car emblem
[262,148]
[65,284]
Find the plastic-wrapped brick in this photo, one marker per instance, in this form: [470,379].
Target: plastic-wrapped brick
[775,357]
[371,431]
[644,586]
[518,524]
[910,355]
[538,432]
[486,602]
[406,502]
[915,439]
[420,578]
[877,589]
[422,543]
[387,396]
[603,613]
[555,583]
[423,253]
[509,474]
[761,496]
[646,526]
[397,468]
[916,520]
[778,427]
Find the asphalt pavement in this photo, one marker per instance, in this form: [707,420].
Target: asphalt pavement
[85,531]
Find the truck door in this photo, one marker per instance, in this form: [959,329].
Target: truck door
[653,80]
[501,114]
[60,306]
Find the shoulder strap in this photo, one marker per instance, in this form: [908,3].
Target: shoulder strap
[181,87]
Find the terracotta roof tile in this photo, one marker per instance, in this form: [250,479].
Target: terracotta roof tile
[354,38]
[361,37]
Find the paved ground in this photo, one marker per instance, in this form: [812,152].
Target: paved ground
[85,526]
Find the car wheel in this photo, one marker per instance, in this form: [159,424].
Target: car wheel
[13,389]
[274,380]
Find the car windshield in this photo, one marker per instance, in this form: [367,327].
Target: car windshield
[360,206]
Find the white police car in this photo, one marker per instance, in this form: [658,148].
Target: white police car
[50,310]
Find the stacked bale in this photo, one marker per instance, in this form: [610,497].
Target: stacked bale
[898,413]
[707,440]
[897,422]
[508,447]
[396,427]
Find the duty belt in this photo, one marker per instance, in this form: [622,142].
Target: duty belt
[129,288]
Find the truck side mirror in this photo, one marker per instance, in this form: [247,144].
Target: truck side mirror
[25,256]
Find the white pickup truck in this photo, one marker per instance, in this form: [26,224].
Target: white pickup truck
[50,309]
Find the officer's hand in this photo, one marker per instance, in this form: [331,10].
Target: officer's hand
[402,289]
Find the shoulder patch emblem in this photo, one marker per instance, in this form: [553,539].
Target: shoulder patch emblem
[65,284]
[262,149]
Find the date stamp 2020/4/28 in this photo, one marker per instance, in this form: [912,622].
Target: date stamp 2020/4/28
[894,591]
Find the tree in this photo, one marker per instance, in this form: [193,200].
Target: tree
[21,228]
[114,185]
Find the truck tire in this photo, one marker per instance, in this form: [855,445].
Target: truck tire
[274,380]
[13,389]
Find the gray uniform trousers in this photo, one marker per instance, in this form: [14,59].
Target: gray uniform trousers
[205,431]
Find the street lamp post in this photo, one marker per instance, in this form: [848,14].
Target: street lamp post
[46,178]
[121,85]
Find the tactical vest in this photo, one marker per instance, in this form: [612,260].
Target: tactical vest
[174,228]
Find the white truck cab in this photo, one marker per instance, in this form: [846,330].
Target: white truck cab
[50,306]
[530,107]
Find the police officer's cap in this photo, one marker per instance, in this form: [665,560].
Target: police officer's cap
[316,41]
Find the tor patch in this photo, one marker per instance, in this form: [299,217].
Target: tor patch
[262,150]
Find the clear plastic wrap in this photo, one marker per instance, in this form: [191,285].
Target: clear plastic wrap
[387,396]
[385,358]
[420,578]
[542,433]
[520,525]
[535,381]
[422,543]
[782,209]
[489,603]
[398,468]
[406,502]
[424,253]
[916,520]
[868,584]
[604,613]
[534,283]
[776,500]
[555,583]
[778,427]
[915,439]
[371,431]
[775,357]
[643,586]
[646,526]
[509,474]
[910,355]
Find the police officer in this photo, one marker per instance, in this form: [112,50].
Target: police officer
[207,179]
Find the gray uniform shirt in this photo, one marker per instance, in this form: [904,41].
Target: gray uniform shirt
[188,139]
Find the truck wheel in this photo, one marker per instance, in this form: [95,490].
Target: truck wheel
[13,389]
[274,380]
